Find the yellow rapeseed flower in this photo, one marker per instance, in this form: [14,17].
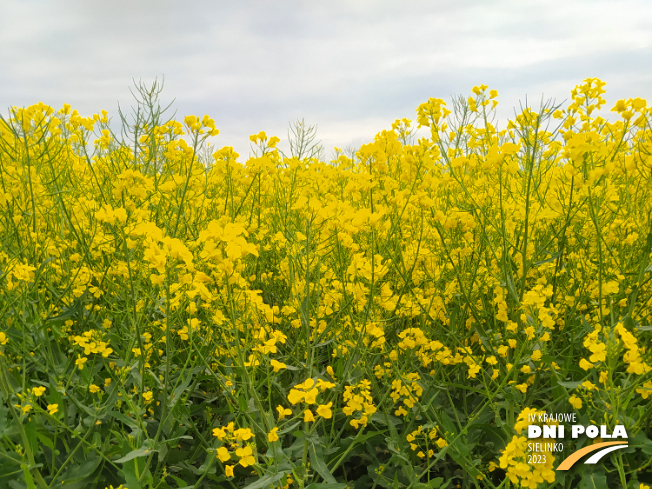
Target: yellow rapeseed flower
[80,362]
[575,401]
[324,410]
[283,412]
[276,365]
[246,456]
[223,454]
[272,435]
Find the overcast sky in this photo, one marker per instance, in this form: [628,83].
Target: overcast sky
[350,67]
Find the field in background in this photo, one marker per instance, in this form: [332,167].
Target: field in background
[388,319]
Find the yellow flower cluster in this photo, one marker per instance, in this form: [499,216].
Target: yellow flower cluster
[234,444]
[425,439]
[514,456]
[632,356]
[93,342]
[307,393]
[359,403]
[407,390]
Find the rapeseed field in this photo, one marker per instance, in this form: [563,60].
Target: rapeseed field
[398,317]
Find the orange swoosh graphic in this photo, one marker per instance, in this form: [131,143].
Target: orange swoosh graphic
[574,457]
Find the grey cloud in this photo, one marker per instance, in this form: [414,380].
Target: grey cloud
[350,67]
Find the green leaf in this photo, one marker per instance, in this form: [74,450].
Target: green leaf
[180,482]
[629,322]
[593,480]
[433,484]
[70,312]
[266,481]
[78,475]
[553,257]
[380,419]
[130,422]
[28,477]
[30,431]
[410,473]
[447,423]
[3,417]
[391,446]
[176,395]
[569,385]
[331,485]
[143,451]
[129,471]
[317,462]
[46,440]
[643,442]
[493,434]
[356,440]
[327,342]
[289,428]
[9,463]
